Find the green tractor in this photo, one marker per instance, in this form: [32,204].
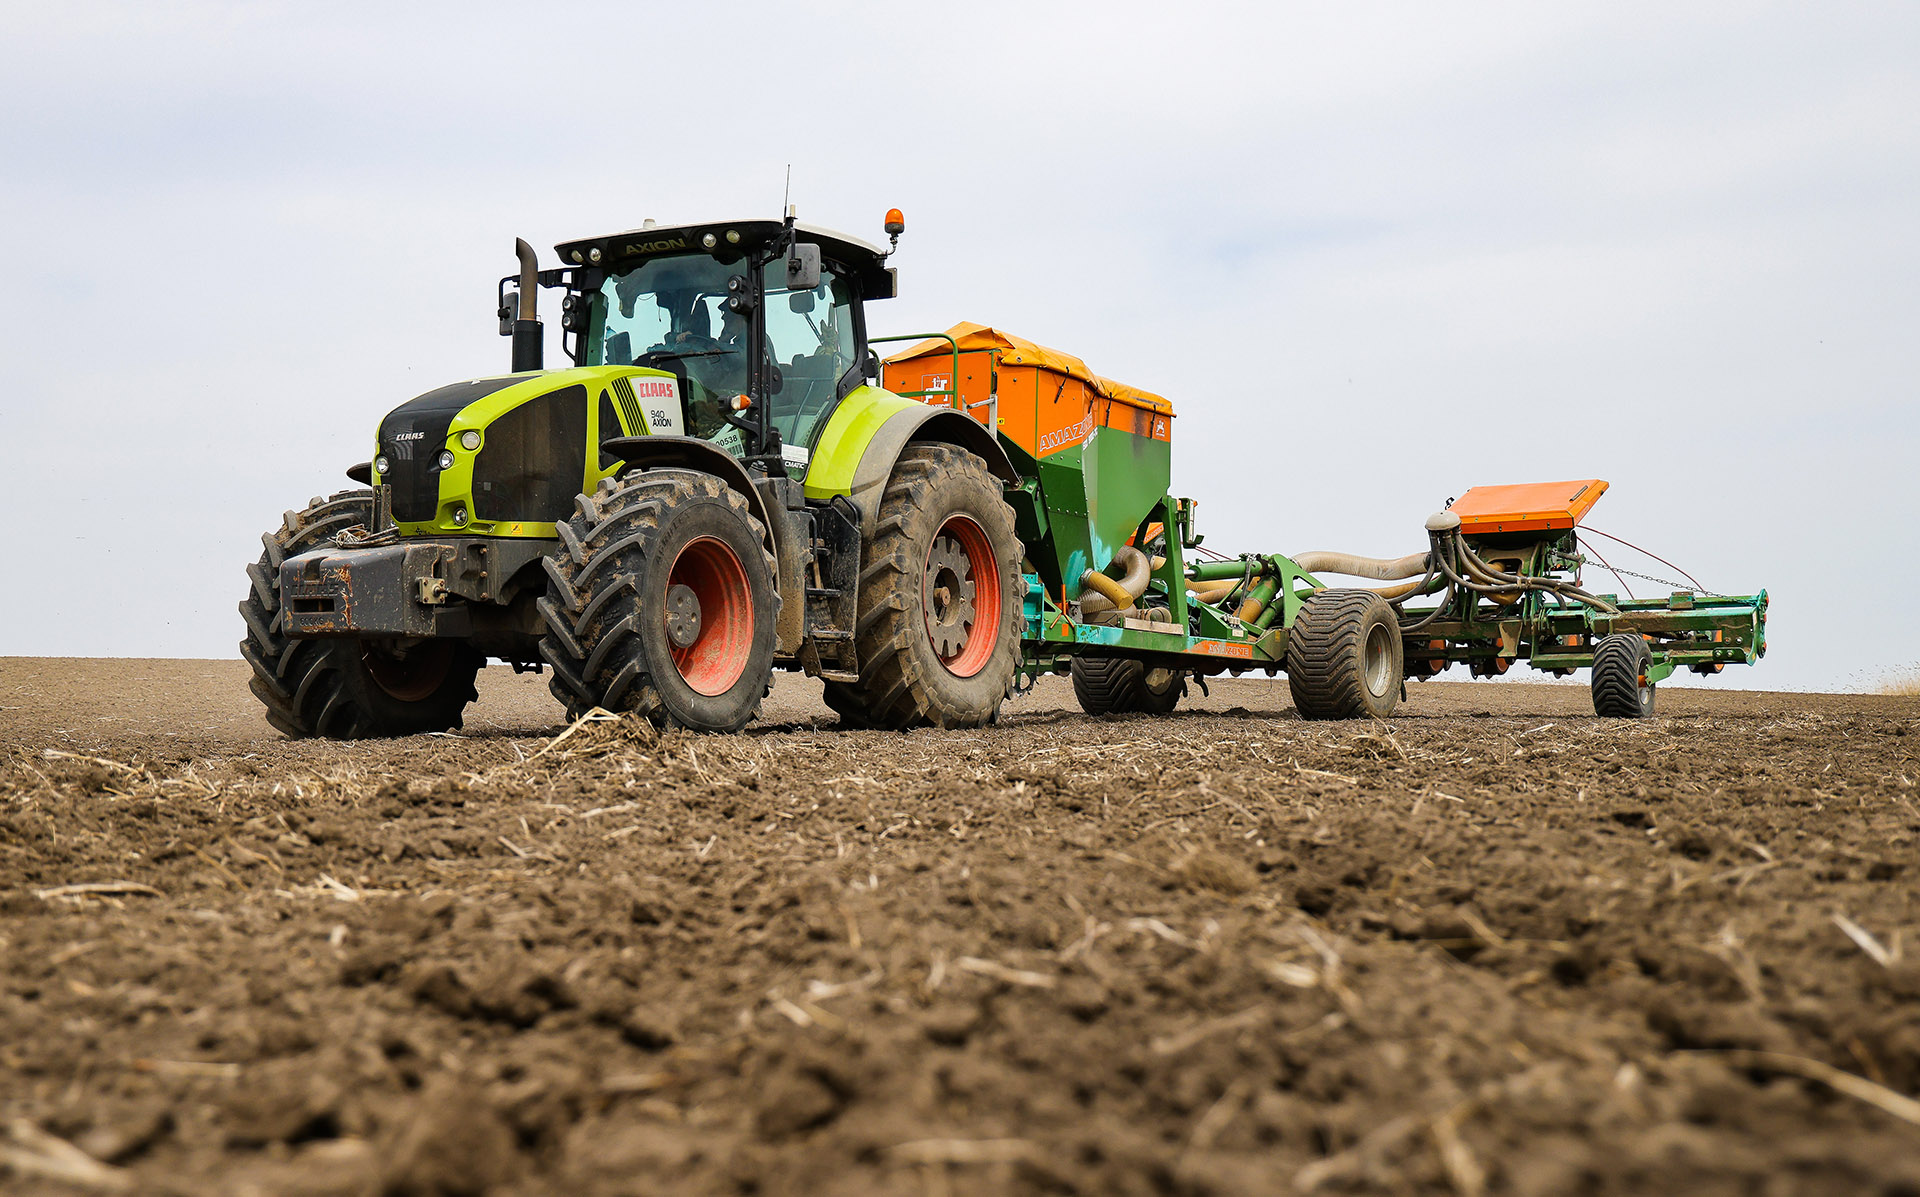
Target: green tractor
[711,489]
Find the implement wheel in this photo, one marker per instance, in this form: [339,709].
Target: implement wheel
[345,689]
[1620,686]
[660,601]
[1124,686]
[938,631]
[1344,656]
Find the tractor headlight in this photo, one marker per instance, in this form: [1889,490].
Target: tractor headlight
[381,465]
[470,440]
[445,460]
[459,517]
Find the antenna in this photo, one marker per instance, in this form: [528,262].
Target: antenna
[786,194]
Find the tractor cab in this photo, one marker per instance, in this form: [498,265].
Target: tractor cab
[766,309]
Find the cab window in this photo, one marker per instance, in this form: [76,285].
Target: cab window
[810,339]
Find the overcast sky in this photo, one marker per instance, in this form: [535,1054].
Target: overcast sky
[1375,253]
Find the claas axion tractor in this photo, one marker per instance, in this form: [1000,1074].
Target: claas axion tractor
[725,479]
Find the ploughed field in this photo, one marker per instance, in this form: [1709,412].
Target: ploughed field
[1494,945]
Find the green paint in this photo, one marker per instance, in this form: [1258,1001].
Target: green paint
[854,424]
[456,484]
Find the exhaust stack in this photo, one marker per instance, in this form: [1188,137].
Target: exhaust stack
[528,339]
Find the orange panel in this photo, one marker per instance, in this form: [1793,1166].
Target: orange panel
[1528,507]
[1049,401]
[935,373]
[1063,411]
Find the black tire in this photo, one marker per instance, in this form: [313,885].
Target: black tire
[942,524]
[1124,686]
[344,689]
[1344,656]
[661,601]
[846,702]
[1620,686]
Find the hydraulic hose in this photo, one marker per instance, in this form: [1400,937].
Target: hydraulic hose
[1116,594]
[1353,566]
[1256,602]
[1394,594]
[1212,592]
[1476,575]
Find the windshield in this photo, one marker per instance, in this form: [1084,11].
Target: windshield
[671,313]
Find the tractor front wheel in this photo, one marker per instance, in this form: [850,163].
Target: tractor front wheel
[1620,686]
[345,689]
[938,632]
[1344,657]
[660,601]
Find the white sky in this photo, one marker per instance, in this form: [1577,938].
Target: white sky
[1375,253]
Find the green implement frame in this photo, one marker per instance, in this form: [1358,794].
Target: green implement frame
[1230,615]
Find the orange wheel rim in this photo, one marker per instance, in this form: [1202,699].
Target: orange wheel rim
[708,611]
[960,596]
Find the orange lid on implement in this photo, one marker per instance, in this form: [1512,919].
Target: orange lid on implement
[1527,507]
[1018,351]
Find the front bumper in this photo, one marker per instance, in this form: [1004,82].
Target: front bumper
[394,590]
[412,589]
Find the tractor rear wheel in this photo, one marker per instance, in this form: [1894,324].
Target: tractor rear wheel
[1124,686]
[1344,656]
[660,601]
[1620,686]
[345,689]
[938,630]
[848,703]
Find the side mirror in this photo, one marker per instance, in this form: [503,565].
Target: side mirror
[873,366]
[800,301]
[509,308]
[803,267]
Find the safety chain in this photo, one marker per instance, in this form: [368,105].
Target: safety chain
[1667,582]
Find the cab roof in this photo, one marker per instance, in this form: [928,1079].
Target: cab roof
[732,238]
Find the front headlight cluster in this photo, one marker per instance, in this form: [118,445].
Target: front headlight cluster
[382,466]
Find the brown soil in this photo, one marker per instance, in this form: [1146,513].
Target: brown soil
[1494,945]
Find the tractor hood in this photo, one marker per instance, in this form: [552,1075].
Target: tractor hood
[507,455]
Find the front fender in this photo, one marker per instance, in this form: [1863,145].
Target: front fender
[690,453]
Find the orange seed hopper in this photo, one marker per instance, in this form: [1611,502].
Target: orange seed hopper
[1527,507]
[1049,401]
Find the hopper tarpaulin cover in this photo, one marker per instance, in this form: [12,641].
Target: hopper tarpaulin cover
[1018,351]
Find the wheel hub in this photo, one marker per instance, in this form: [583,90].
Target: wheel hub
[708,615]
[409,673]
[1378,662]
[950,597]
[683,615]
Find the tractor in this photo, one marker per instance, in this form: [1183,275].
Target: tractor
[710,489]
